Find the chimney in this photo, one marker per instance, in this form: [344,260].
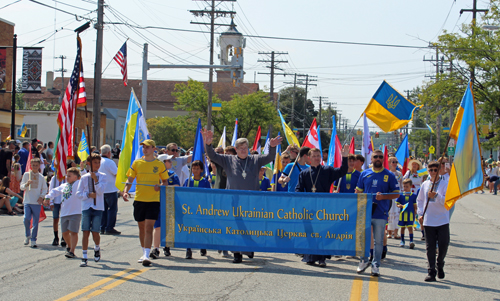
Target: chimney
[50,80]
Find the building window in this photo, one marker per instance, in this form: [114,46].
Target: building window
[31,131]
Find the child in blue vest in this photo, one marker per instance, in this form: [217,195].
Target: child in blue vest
[199,181]
[408,205]
[264,182]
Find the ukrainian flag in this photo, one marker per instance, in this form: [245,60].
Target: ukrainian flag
[83,148]
[22,131]
[389,109]
[466,174]
[290,136]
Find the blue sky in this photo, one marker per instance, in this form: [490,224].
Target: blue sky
[346,74]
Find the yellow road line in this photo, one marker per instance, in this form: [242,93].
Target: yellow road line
[357,289]
[92,286]
[114,284]
[373,289]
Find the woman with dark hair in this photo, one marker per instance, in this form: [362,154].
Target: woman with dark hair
[5,192]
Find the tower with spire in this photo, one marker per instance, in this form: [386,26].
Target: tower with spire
[231,43]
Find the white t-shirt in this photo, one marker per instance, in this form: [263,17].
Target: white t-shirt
[415,179]
[71,203]
[436,214]
[54,183]
[109,169]
[84,188]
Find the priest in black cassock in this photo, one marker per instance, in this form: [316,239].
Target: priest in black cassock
[319,178]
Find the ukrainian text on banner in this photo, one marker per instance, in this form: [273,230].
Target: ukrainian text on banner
[305,223]
[32,70]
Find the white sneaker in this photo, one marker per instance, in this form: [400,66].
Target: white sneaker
[363,265]
[375,271]
[33,244]
[141,259]
[27,240]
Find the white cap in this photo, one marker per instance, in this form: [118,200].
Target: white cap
[165,157]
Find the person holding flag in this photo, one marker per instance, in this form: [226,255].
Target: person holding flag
[347,184]
[35,188]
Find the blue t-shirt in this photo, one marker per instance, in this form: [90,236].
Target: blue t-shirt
[265,184]
[294,177]
[383,181]
[348,182]
[173,179]
[202,183]
[280,187]
[410,199]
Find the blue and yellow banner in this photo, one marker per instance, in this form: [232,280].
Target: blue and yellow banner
[305,223]
[389,109]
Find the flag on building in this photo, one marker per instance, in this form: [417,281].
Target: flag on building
[389,109]
[134,132]
[466,175]
[22,131]
[367,147]
[121,59]
[289,135]
[66,117]
[222,141]
[83,148]
[335,149]
[256,142]
[403,154]
[235,133]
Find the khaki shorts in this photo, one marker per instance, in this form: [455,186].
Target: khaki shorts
[71,223]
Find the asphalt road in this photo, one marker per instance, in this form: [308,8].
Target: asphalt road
[472,268]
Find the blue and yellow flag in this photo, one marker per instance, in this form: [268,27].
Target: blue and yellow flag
[466,174]
[289,135]
[430,129]
[22,131]
[422,172]
[389,109]
[83,148]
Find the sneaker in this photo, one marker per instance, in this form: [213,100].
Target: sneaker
[155,253]
[225,254]
[440,273]
[423,238]
[238,258]
[412,245]
[189,254]
[27,240]
[402,244]
[431,277]
[33,244]
[97,255]
[83,263]
[363,265]
[375,271]
[322,263]
[113,232]
[166,251]
[146,262]
[203,252]
[250,255]
[63,242]
[141,259]
[55,242]
[70,254]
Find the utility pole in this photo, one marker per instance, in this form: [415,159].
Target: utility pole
[273,66]
[307,84]
[294,98]
[62,70]
[96,108]
[474,11]
[213,15]
[14,88]
[320,99]
[145,67]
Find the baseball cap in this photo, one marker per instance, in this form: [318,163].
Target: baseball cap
[165,157]
[148,142]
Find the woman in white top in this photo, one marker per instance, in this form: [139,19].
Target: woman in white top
[493,175]
[412,174]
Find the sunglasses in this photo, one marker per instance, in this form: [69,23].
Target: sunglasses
[433,169]
[394,162]
[378,157]
[174,150]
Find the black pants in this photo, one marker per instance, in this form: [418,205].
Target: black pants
[441,235]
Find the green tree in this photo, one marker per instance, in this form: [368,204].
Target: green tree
[20,105]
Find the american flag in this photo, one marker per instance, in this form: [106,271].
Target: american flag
[66,117]
[121,59]
[82,94]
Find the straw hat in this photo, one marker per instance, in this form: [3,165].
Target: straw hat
[415,161]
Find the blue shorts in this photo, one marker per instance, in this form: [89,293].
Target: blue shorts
[407,224]
[158,221]
[56,211]
[91,220]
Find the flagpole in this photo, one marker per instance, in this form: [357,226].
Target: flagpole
[347,137]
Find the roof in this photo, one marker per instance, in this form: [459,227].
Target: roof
[8,22]
[232,30]
[158,90]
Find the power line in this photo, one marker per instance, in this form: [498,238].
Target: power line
[10,4]
[61,10]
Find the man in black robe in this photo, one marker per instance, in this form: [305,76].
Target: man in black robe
[319,178]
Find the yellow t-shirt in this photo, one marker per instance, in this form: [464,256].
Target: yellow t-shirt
[147,172]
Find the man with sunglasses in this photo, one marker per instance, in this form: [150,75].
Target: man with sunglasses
[178,162]
[436,221]
[383,184]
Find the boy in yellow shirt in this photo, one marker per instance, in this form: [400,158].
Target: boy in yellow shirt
[147,170]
